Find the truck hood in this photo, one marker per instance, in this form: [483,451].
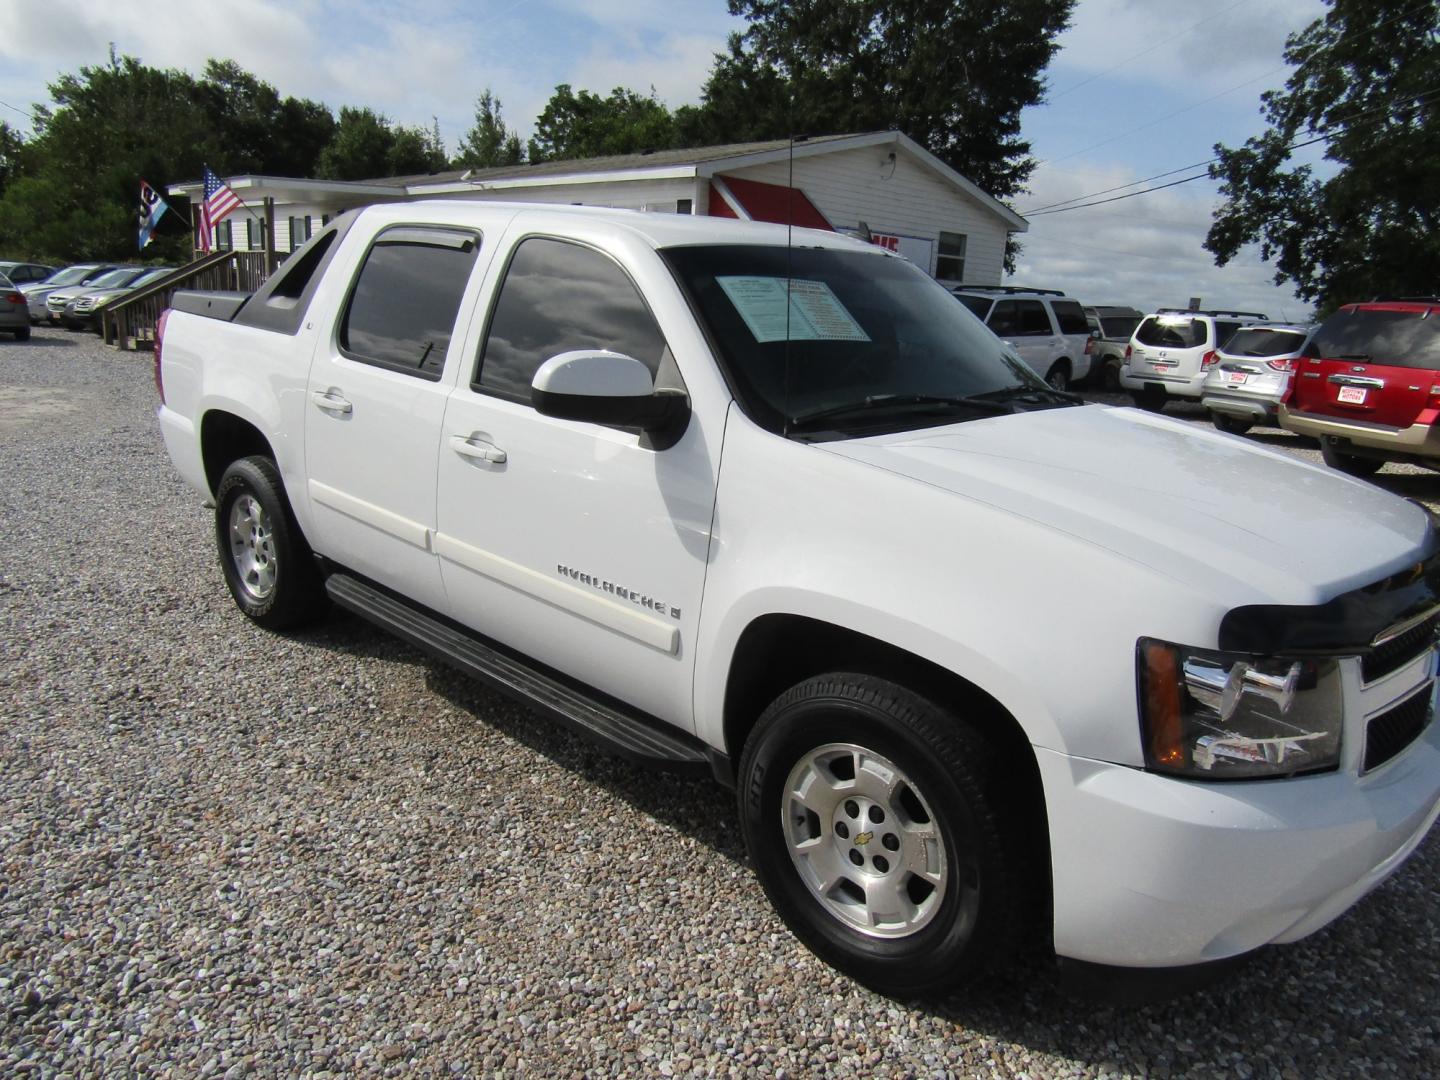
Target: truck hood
[1207,509]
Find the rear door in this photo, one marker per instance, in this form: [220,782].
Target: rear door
[1168,347]
[1379,363]
[1024,325]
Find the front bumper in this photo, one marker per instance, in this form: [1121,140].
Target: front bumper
[1418,440]
[1151,871]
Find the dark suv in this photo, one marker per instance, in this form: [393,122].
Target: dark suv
[1368,386]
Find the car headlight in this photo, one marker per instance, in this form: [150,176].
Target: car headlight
[1211,715]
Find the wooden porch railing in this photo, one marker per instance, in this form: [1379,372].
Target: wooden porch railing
[129,323]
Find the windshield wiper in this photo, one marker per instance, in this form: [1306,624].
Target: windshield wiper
[1026,392]
[900,401]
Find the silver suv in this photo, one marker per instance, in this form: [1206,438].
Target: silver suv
[1251,374]
[1171,353]
[1046,327]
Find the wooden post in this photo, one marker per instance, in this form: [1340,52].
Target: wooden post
[271,260]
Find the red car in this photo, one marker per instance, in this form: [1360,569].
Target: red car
[1368,386]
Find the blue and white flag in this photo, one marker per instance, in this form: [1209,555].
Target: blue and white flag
[152,206]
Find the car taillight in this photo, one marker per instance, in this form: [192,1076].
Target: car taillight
[1281,365]
[14,298]
[159,342]
[1128,350]
[1208,360]
[1089,346]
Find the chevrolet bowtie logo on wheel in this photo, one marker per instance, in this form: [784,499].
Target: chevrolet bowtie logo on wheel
[863,838]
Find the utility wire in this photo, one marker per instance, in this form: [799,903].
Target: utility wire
[1324,134]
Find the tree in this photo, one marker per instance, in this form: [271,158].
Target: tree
[954,75]
[366,145]
[489,143]
[12,146]
[586,125]
[263,132]
[1365,85]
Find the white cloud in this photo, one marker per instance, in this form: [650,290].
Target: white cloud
[676,65]
[1145,251]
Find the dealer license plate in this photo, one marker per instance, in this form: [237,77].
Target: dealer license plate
[1237,377]
[1353,395]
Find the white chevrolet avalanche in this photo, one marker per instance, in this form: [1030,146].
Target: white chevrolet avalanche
[985,665]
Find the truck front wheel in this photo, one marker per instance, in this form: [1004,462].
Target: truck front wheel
[268,566]
[875,822]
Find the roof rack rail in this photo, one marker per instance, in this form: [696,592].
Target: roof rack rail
[1008,289]
[1213,312]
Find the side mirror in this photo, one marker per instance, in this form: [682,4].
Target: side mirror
[599,387]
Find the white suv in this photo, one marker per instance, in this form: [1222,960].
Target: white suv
[1047,328]
[1172,351]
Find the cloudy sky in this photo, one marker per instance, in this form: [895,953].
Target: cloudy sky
[1140,87]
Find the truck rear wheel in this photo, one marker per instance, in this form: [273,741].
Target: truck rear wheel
[267,563]
[875,824]
[1362,467]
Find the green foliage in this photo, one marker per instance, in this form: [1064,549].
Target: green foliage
[1366,76]
[367,145]
[489,143]
[586,125]
[954,75]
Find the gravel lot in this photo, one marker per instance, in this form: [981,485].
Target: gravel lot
[229,853]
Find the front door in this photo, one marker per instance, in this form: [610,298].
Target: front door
[375,406]
[575,543]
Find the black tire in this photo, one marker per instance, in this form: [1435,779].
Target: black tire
[268,566]
[1058,376]
[22,334]
[1362,467]
[1151,399]
[1229,424]
[1110,375]
[965,924]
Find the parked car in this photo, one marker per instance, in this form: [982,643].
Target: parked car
[81,310]
[1110,330]
[60,299]
[726,496]
[14,318]
[1368,386]
[1047,328]
[1251,374]
[1171,352]
[80,274]
[24,273]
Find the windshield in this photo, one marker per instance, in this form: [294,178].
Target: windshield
[1264,342]
[115,277]
[874,344]
[69,276]
[1395,338]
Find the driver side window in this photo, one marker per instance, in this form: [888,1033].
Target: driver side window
[559,296]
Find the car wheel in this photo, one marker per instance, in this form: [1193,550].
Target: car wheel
[1348,463]
[1229,424]
[875,822]
[1110,375]
[267,563]
[22,334]
[1150,399]
[1058,377]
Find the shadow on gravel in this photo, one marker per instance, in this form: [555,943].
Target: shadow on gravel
[42,341]
[1308,1009]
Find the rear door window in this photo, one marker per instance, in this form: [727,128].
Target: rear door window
[1071,317]
[403,305]
[1394,338]
[1034,322]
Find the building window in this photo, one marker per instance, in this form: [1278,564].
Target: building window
[402,309]
[950,261]
[299,231]
[224,236]
[683,206]
[254,234]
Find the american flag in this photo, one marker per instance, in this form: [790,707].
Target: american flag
[219,201]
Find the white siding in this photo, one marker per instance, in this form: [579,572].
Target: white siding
[654,195]
[908,199]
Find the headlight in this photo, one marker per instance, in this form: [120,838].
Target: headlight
[1210,715]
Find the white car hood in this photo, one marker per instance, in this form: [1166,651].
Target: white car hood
[1194,505]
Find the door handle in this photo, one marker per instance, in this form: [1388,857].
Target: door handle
[330,401]
[480,451]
